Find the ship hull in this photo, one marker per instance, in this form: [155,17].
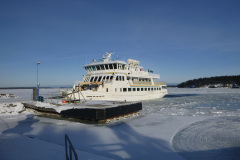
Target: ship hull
[93,95]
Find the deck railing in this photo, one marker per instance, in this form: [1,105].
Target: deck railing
[69,149]
[142,82]
[159,83]
[50,97]
[147,83]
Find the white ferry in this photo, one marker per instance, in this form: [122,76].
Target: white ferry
[117,80]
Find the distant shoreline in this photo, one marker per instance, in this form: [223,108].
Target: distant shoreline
[212,82]
[17,87]
[30,87]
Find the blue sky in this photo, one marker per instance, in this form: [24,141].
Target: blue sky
[179,39]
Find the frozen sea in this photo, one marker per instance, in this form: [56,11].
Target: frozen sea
[187,124]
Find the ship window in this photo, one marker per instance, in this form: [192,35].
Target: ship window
[99,78]
[115,89]
[128,78]
[159,88]
[107,78]
[124,89]
[164,87]
[148,89]
[116,78]
[86,79]
[103,78]
[122,78]
[94,68]
[115,66]
[123,67]
[138,89]
[145,89]
[134,89]
[95,79]
[110,66]
[91,79]
[102,67]
[141,89]
[151,89]
[129,89]
[106,66]
[120,89]
[106,89]
[154,89]
[98,67]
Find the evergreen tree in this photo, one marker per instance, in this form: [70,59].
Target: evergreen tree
[201,82]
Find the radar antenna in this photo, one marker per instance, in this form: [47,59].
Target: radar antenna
[107,56]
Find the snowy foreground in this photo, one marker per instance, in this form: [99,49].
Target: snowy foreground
[192,124]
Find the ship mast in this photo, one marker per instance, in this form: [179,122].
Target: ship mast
[107,56]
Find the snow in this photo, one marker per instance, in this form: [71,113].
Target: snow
[187,124]
[12,108]
[85,104]
[214,136]
[7,96]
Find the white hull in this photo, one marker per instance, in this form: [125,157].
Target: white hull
[93,95]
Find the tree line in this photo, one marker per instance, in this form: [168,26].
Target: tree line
[226,81]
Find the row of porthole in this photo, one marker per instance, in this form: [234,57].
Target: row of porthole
[136,89]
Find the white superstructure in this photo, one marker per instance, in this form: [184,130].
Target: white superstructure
[109,79]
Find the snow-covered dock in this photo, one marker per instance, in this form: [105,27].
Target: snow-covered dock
[98,111]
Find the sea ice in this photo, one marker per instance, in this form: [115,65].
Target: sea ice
[186,124]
